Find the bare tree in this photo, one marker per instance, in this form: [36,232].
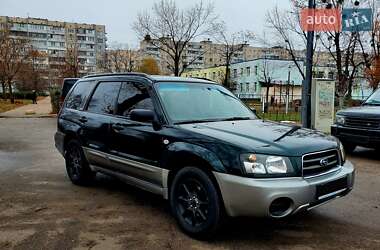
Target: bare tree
[347,50]
[287,32]
[13,53]
[348,53]
[71,67]
[265,78]
[32,75]
[170,29]
[231,45]
[121,59]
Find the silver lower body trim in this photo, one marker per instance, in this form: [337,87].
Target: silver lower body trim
[141,175]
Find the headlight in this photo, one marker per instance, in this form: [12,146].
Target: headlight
[258,164]
[342,152]
[340,119]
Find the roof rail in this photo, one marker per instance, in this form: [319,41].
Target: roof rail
[116,74]
[202,78]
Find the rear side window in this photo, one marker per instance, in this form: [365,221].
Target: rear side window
[78,96]
[133,96]
[67,85]
[104,98]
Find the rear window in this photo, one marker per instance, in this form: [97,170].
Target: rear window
[79,95]
[67,85]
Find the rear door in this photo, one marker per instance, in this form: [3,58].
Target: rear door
[97,119]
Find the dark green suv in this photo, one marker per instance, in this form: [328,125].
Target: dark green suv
[196,144]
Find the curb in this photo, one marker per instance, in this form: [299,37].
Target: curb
[29,116]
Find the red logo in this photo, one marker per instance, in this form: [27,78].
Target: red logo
[321,20]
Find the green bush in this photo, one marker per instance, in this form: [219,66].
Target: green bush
[55,94]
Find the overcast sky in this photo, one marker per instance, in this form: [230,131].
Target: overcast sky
[119,15]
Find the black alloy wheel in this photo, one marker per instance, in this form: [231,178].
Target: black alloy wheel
[77,167]
[195,203]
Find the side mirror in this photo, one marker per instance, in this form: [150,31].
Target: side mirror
[141,115]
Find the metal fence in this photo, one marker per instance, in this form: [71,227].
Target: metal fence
[284,107]
[276,107]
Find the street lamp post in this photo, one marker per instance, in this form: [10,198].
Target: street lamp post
[306,90]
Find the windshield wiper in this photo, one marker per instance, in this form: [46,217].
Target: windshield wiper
[237,118]
[291,131]
[371,104]
[196,121]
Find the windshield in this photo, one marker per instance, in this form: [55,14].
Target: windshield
[374,99]
[196,102]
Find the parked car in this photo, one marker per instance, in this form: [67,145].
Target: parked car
[196,144]
[67,84]
[359,126]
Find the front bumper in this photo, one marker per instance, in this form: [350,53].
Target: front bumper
[356,136]
[253,197]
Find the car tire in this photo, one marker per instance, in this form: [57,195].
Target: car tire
[77,166]
[349,147]
[196,203]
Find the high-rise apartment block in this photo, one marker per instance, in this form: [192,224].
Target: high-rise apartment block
[54,38]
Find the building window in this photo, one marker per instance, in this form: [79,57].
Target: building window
[256,70]
[241,87]
[255,87]
[241,71]
[213,75]
[235,73]
[247,87]
[248,71]
[331,75]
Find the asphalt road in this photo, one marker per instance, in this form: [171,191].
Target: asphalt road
[41,209]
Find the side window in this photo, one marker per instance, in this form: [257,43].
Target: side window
[78,96]
[133,96]
[104,98]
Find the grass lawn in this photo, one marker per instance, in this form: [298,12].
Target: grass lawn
[6,105]
[274,116]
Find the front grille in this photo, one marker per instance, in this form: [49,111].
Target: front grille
[320,162]
[365,123]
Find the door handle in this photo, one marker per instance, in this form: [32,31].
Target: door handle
[83,119]
[117,127]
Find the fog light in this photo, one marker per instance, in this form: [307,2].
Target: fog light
[280,207]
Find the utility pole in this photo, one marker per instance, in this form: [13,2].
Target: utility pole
[306,90]
[287,92]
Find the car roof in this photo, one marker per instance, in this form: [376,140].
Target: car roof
[154,78]
[68,79]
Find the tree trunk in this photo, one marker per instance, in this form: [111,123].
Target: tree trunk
[176,65]
[225,82]
[266,108]
[349,89]
[4,94]
[341,101]
[11,96]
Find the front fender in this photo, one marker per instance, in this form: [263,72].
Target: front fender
[179,152]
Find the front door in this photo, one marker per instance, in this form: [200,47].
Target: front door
[135,146]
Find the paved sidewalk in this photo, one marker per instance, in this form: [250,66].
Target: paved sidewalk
[41,109]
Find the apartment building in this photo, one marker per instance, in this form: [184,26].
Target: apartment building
[197,55]
[216,74]
[54,38]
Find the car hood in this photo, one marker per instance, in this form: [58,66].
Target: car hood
[362,111]
[259,136]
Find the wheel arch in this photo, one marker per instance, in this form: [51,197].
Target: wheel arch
[181,155]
